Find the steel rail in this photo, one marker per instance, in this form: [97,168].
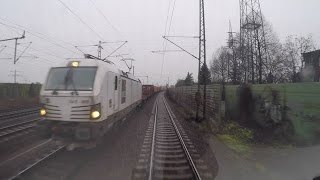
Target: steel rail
[18,124]
[43,156]
[153,141]
[13,111]
[21,154]
[12,129]
[18,112]
[37,162]
[192,164]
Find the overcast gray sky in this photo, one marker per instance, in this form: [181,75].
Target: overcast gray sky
[53,31]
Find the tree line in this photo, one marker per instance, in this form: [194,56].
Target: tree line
[204,77]
[283,60]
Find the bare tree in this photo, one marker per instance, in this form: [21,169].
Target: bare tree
[293,48]
[282,61]
[219,65]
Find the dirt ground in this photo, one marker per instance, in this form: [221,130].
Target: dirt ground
[266,163]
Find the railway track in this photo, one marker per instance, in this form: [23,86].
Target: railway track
[18,113]
[19,164]
[167,151]
[16,128]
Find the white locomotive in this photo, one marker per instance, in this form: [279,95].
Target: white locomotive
[82,99]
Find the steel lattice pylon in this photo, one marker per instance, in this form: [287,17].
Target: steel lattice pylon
[232,64]
[252,42]
[202,57]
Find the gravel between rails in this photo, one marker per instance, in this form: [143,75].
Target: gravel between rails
[168,152]
[197,137]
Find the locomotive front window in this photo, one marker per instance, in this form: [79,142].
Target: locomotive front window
[68,79]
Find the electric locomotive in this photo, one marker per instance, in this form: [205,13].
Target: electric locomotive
[82,99]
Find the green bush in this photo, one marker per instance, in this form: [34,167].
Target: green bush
[243,133]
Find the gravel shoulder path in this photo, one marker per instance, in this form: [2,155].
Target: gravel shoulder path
[266,163]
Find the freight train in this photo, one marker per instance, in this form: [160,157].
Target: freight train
[149,90]
[82,99]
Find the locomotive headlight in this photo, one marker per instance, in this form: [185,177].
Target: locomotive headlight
[95,112]
[43,112]
[75,63]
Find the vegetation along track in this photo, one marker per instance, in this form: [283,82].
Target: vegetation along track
[19,164]
[167,151]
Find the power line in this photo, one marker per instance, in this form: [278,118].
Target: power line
[35,35]
[194,56]
[183,37]
[44,52]
[100,47]
[174,5]
[24,51]
[167,32]
[123,43]
[2,47]
[104,17]
[15,75]
[30,55]
[81,20]
[9,28]
[15,45]
[162,52]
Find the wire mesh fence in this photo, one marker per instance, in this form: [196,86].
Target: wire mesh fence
[186,97]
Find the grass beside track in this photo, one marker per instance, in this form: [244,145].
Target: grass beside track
[303,100]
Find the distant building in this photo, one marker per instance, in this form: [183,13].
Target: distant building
[311,70]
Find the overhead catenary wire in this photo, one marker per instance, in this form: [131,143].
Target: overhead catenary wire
[41,51]
[167,33]
[164,42]
[35,34]
[28,46]
[80,19]
[117,49]
[30,54]
[44,52]
[37,51]
[2,47]
[183,37]
[9,28]
[104,17]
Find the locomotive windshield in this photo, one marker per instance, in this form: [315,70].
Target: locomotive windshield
[69,79]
